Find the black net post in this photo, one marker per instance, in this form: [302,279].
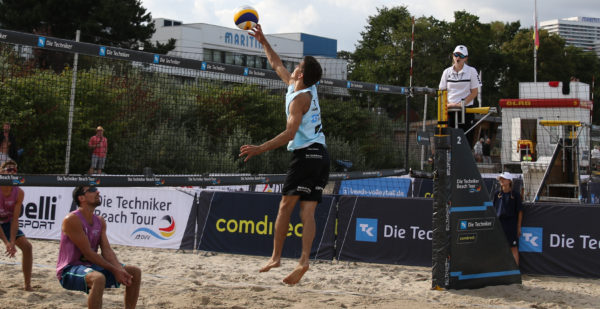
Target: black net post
[406,142]
[441,229]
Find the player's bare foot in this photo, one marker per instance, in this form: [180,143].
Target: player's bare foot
[296,274]
[28,288]
[270,264]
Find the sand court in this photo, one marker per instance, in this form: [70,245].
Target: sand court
[216,280]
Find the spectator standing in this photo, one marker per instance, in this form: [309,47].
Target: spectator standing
[99,146]
[486,149]
[509,209]
[478,150]
[8,145]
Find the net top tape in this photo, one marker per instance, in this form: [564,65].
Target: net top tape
[171,180]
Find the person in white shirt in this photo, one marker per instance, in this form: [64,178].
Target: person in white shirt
[462,83]
[478,150]
[596,152]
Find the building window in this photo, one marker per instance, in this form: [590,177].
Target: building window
[239,59]
[218,56]
[229,58]
[208,54]
[261,62]
[251,61]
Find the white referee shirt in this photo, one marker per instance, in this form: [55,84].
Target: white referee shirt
[459,84]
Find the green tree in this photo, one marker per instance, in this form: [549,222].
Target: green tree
[120,23]
[382,53]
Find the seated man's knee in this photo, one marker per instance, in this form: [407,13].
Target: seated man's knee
[135,271]
[95,278]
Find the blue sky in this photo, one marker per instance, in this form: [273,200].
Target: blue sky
[344,20]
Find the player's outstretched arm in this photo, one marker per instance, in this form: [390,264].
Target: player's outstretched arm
[298,107]
[272,56]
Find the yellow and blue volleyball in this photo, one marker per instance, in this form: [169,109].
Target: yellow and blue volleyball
[245,17]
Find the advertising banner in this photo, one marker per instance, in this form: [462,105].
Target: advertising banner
[43,211]
[244,223]
[561,240]
[384,230]
[376,187]
[422,187]
[146,217]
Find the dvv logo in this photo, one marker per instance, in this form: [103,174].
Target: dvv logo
[531,239]
[166,230]
[366,229]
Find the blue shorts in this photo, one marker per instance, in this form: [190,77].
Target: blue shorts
[6,229]
[73,277]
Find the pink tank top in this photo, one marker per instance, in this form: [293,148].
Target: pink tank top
[7,205]
[68,253]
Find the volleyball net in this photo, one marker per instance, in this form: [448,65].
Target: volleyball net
[173,116]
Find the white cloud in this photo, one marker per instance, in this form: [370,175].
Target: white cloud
[344,20]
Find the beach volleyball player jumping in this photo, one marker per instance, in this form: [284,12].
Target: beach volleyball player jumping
[308,170]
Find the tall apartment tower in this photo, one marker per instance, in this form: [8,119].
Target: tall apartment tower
[581,32]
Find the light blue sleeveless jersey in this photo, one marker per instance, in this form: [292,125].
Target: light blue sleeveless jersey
[310,130]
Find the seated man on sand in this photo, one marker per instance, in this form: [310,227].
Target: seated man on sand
[79,266]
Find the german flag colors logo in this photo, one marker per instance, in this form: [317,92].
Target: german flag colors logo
[164,233]
[170,229]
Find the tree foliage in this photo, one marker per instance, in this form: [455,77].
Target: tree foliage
[173,124]
[120,23]
[503,52]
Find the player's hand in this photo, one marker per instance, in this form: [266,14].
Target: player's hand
[11,251]
[257,33]
[454,105]
[123,277]
[249,151]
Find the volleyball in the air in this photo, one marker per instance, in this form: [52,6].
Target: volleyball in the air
[245,17]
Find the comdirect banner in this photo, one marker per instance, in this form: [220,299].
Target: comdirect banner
[561,240]
[244,223]
[147,217]
[385,230]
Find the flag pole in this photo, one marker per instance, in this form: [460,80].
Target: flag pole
[536,41]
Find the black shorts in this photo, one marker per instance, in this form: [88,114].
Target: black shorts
[308,173]
[510,231]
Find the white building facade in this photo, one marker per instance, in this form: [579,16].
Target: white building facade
[213,43]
